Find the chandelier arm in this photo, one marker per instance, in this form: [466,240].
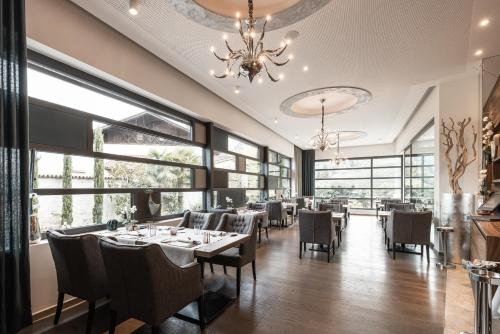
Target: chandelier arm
[220,76]
[269,74]
[281,51]
[273,52]
[228,47]
[223,59]
[277,63]
[250,10]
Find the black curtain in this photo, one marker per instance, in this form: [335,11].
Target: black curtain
[308,157]
[15,304]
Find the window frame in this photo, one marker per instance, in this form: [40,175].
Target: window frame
[371,178]
[64,72]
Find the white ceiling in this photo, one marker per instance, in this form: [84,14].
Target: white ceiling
[389,47]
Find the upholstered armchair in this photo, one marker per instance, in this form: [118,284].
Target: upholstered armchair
[239,256]
[301,203]
[277,213]
[409,228]
[388,201]
[316,227]
[147,286]
[203,221]
[218,214]
[80,270]
[331,206]
[261,223]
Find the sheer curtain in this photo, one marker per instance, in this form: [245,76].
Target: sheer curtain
[15,308]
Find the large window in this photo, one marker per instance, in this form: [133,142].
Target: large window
[280,181]
[127,151]
[363,180]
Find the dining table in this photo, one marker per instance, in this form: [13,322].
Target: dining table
[183,246]
[338,218]
[262,217]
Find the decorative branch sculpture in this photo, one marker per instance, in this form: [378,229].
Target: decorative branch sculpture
[454,138]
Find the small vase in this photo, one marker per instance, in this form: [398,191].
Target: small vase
[112,225]
[35,235]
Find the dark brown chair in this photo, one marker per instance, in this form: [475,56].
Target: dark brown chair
[245,253]
[201,220]
[80,270]
[147,286]
[301,203]
[400,206]
[316,227]
[277,213]
[388,201]
[409,228]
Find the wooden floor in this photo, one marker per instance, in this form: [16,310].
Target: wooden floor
[361,291]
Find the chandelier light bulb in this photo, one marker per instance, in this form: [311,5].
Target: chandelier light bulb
[282,44]
[224,37]
[262,58]
[305,68]
[281,76]
[288,41]
[268,17]
[484,22]
[212,49]
[237,90]
[478,52]
[290,57]
[237,24]
[212,72]
[259,80]
[133,7]
[275,121]
[238,15]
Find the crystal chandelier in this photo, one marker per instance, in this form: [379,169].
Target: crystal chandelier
[324,139]
[338,158]
[251,59]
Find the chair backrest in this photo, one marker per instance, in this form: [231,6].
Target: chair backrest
[315,227]
[341,199]
[411,227]
[400,206]
[334,207]
[79,265]
[301,202]
[258,206]
[387,201]
[275,209]
[243,224]
[218,215]
[201,220]
[146,284]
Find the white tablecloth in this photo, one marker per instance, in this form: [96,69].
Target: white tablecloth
[181,256]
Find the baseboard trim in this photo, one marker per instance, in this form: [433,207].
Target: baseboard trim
[51,311]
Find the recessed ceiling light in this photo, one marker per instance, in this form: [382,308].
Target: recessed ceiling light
[305,68]
[133,7]
[212,72]
[295,137]
[281,76]
[478,52]
[484,22]
[290,57]
[275,121]
[236,90]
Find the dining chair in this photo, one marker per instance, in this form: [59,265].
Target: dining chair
[261,223]
[315,227]
[147,286]
[218,212]
[200,220]
[301,203]
[401,206]
[240,256]
[277,213]
[409,227]
[80,270]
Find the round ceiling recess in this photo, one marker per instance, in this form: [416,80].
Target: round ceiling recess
[338,100]
[221,14]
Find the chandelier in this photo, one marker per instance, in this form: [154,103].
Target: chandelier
[251,59]
[323,140]
[338,158]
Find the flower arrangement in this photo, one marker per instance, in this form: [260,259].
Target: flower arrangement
[229,201]
[483,184]
[128,213]
[487,139]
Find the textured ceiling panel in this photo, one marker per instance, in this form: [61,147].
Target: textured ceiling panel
[384,46]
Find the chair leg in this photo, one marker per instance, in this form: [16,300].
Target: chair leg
[394,251]
[225,270]
[300,250]
[427,251]
[328,254]
[253,271]
[90,317]
[421,250]
[259,233]
[305,247]
[60,300]
[212,268]
[155,330]
[112,321]
[238,281]
[202,264]
[267,235]
[201,311]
